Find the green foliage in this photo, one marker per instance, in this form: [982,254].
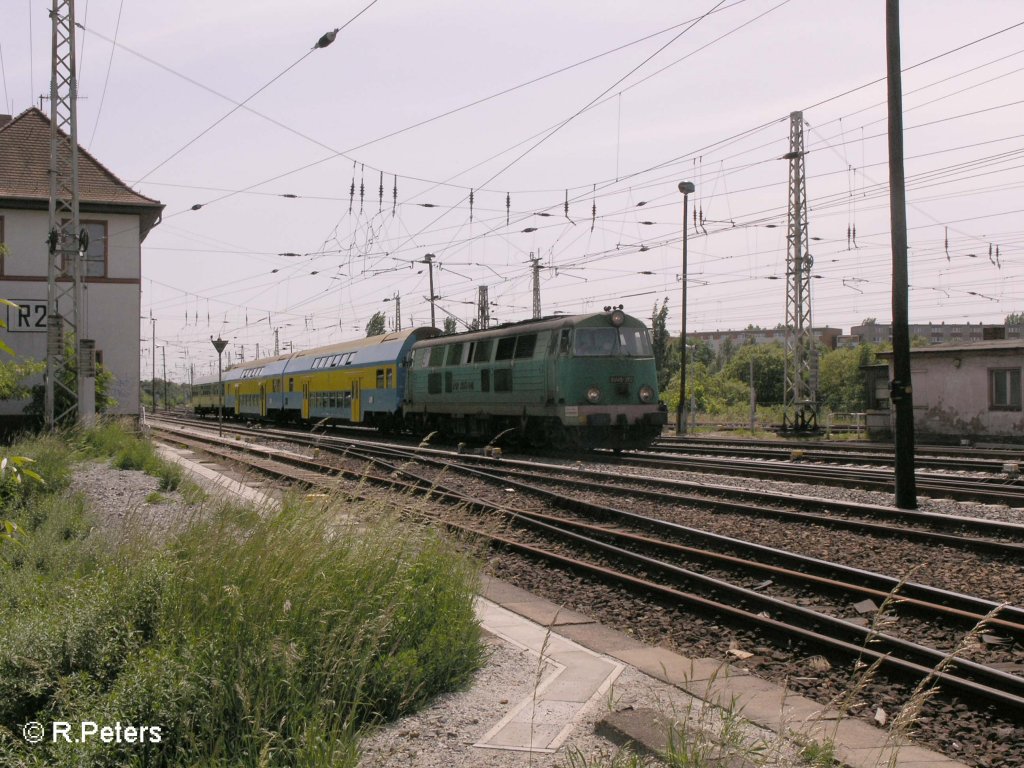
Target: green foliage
[250,638]
[176,394]
[69,381]
[450,326]
[841,383]
[1014,318]
[376,326]
[665,360]
[769,370]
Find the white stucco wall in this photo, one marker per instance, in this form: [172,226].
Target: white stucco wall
[112,305]
[953,399]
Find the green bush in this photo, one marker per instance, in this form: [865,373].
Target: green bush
[249,639]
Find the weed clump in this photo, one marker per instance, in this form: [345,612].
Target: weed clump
[250,638]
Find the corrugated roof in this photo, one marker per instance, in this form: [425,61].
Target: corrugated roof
[25,164]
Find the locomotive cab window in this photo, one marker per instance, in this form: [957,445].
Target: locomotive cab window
[565,341]
[436,356]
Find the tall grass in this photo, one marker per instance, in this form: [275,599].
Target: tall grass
[250,639]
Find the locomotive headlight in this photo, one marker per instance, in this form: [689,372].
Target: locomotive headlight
[646,394]
[593,394]
[618,317]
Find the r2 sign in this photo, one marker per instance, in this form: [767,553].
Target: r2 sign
[29,316]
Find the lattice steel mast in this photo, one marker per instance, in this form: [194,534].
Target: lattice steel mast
[483,308]
[66,241]
[800,408]
[535,267]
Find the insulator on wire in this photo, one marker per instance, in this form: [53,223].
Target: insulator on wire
[394,195]
[381,193]
[593,209]
[947,244]
[471,205]
[508,208]
[997,258]
[855,236]
[362,186]
[847,237]
[352,189]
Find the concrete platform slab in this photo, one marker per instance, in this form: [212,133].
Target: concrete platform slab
[663,664]
[573,678]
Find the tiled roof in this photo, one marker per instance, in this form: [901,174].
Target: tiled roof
[25,164]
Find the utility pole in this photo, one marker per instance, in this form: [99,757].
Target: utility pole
[686,187]
[398,312]
[800,408]
[900,391]
[65,238]
[429,261]
[152,381]
[277,343]
[535,267]
[483,308]
[164,353]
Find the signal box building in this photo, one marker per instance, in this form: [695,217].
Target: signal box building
[968,390]
[117,220]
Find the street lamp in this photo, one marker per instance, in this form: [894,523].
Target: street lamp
[686,187]
[219,345]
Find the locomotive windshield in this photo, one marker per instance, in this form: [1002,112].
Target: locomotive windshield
[608,342]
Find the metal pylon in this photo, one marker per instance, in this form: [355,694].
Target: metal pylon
[65,315]
[483,308]
[535,266]
[800,411]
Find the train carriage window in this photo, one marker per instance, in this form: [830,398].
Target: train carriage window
[503,380]
[390,383]
[454,354]
[525,346]
[291,384]
[380,378]
[332,400]
[482,351]
[506,348]
[485,380]
[335,361]
[436,356]
[348,358]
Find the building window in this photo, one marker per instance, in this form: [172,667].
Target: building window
[1004,389]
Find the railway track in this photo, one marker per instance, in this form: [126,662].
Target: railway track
[926,457]
[1000,490]
[620,547]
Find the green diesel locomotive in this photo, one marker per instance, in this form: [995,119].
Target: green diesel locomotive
[568,381]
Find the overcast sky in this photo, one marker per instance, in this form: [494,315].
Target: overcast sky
[618,103]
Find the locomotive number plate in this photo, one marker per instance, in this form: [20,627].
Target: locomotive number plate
[620,379]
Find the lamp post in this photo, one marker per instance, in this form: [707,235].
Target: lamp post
[219,345]
[686,187]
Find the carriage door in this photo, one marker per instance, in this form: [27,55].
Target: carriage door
[305,400]
[263,399]
[238,402]
[356,414]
